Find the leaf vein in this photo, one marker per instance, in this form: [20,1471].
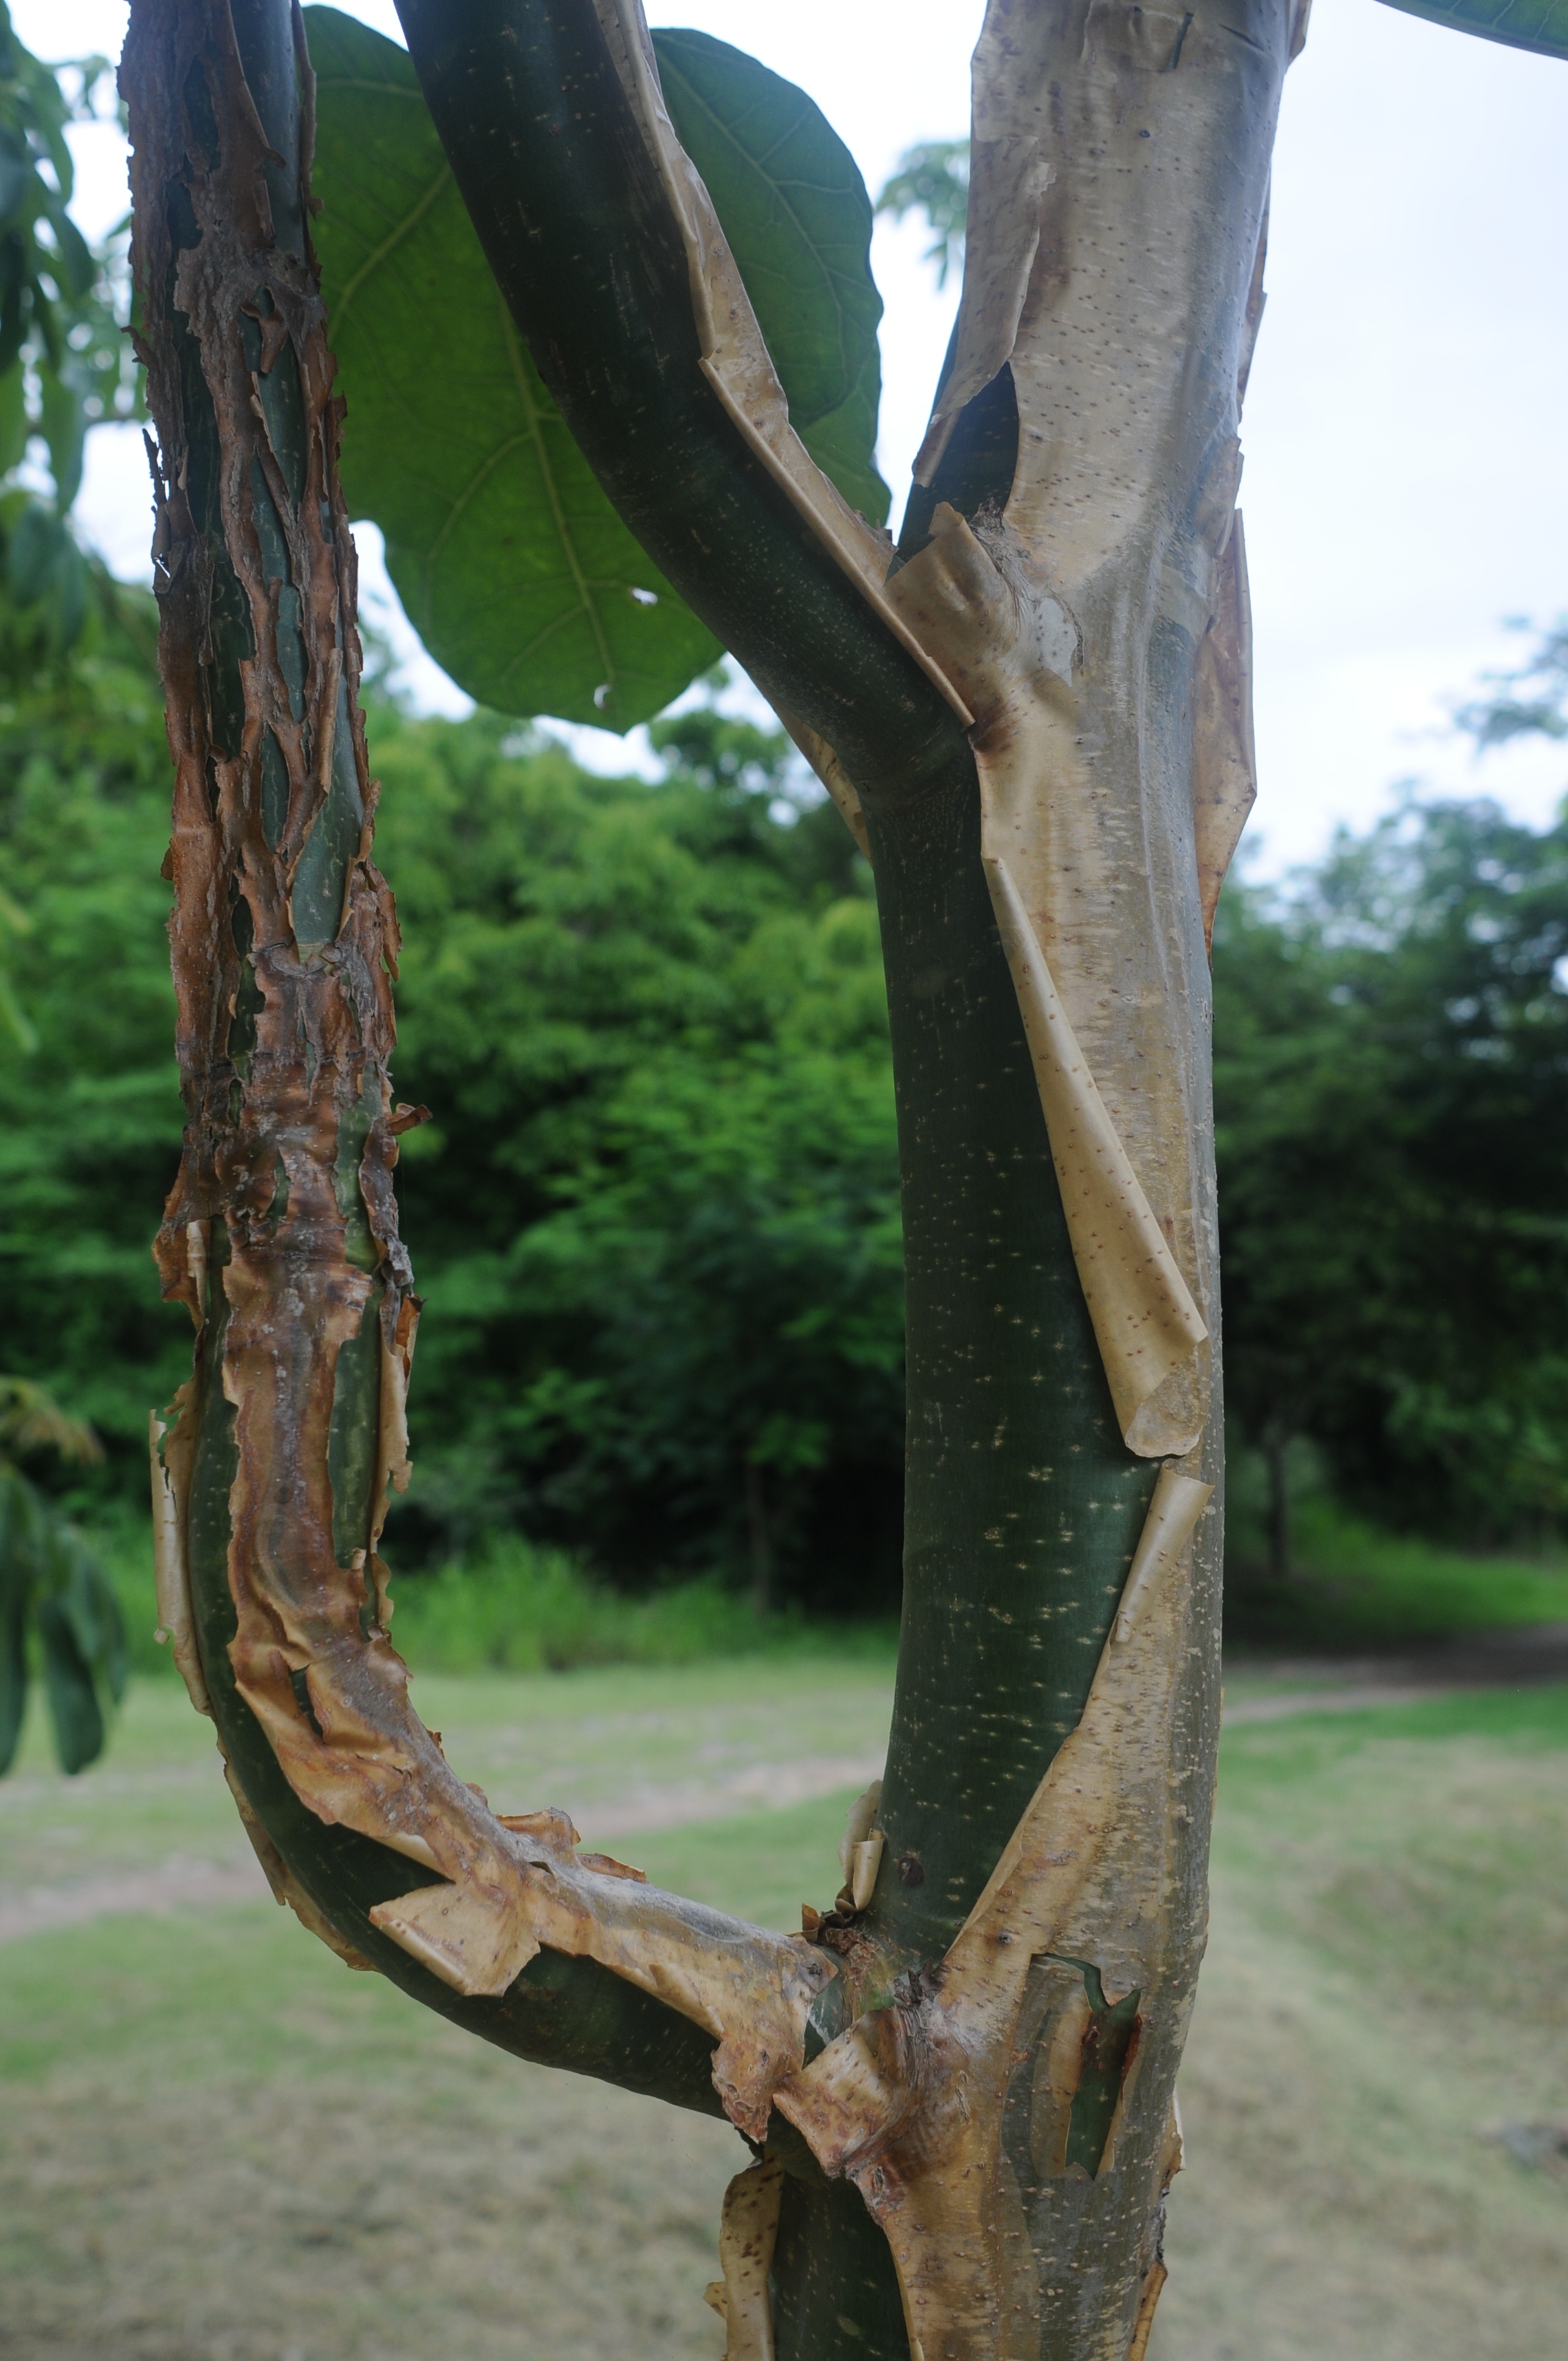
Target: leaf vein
[553,492]
[394,238]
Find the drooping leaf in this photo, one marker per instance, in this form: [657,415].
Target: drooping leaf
[13,1669]
[13,421]
[58,294]
[511,561]
[44,568]
[52,1583]
[1538,24]
[62,416]
[73,1706]
[798,219]
[82,1634]
[18,1570]
[93,1611]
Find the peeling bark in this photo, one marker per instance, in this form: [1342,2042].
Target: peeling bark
[285,947]
[1224,760]
[734,357]
[747,2233]
[1035,716]
[912,2101]
[1015,650]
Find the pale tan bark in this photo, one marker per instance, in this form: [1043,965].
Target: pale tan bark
[748,2229]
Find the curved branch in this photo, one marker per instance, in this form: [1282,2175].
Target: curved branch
[280,1232]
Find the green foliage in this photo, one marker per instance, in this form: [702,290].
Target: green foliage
[1530,700]
[657,1210]
[1393,1133]
[511,563]
[65,362]
[518,1607]
[51,1585]
[90,1113]
[1354,1584]
[14,1025]
[657,1213]
[1538,24]
[932,178]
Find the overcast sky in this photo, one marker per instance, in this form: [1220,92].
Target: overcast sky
[1407,465]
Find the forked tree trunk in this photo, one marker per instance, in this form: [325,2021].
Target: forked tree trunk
[1035,715]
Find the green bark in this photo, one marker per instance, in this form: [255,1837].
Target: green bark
[563,2010]
[1024,1506]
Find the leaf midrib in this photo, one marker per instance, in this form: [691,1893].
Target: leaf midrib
[525,396]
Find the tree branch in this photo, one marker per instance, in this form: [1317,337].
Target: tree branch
[579,227]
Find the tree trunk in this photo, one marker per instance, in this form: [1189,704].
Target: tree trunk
[1036,714]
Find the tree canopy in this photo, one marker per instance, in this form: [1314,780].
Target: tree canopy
[657,1199]
[1391,1087]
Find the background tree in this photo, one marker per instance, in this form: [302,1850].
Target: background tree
[932,178]
[65,364]
[1033,713]
[1393,1149]
[585,956]
[660,1192]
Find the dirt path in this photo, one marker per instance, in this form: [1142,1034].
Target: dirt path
[152,1894]
[181,1883]
[1359,1700]
[1344,1686]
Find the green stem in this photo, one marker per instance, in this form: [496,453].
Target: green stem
[1022,1504]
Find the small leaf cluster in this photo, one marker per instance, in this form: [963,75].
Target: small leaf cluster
[66,363]
[932,178]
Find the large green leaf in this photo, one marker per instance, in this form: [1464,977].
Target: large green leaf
[798,219]
[1538,24]
[515,570]
[513,567]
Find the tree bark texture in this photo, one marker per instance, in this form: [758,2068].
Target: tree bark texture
[1035,714]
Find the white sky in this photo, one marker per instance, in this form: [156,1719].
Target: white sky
[1407,464]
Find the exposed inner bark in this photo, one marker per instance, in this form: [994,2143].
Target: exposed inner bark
[284,947]
[984,2036]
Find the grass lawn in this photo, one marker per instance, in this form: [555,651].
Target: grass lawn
[220,2146]
[1355,1586]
